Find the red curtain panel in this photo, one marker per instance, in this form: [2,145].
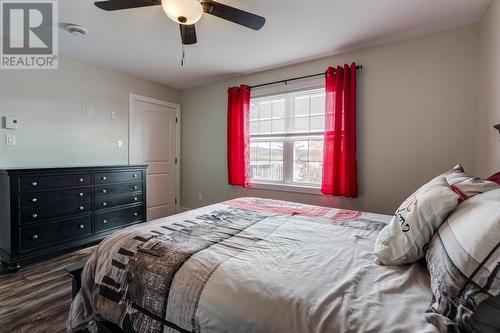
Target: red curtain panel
[238,136]
[339,157]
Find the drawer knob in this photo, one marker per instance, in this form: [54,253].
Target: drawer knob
[80,194]
[34,184]
[81,208]
[104,191]
[135,199]
[134,175]
[104,204]
[136,214]
[104,221]
[34,200]
[104,178]
[136,187]
[35,237]
[80,180]
[35,215]
[82,226]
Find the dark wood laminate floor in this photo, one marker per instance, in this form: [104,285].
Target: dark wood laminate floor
[37,298]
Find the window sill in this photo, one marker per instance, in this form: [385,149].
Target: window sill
[286,188]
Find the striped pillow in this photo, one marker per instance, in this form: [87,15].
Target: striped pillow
[467,186]
[464,263]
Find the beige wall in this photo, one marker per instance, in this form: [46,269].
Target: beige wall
[51,105]
[488,114]
[416,114]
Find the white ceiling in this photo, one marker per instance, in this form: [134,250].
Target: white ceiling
[146,43]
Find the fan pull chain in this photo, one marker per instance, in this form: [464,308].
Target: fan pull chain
[183,55]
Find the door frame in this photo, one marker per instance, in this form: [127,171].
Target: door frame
[134,97]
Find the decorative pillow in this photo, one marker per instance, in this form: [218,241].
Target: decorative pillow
[455,175]
[495,178]
[464,263]
[467,186]
[405,239]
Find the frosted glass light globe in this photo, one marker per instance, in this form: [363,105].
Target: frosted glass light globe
[183,11]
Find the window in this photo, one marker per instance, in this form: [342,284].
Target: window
[286,138]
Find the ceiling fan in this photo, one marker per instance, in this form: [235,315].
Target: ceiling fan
[188,12]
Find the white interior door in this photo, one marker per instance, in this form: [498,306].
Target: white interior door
[154,140]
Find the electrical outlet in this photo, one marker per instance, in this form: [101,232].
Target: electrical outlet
[200,196]
[89,112]
[10,140]
[119,144]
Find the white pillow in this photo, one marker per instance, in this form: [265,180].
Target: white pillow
[405,239]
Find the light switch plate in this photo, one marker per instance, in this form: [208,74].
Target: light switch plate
[10,140]
[114,116]
[119,144]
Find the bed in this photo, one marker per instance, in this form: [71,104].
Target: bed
[251,265]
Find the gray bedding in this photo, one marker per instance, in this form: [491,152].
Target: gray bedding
[252,265]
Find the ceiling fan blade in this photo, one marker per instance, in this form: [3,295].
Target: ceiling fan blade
[234,15]
[188,34]
[125,4]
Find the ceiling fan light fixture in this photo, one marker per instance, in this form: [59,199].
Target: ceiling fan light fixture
[183,11]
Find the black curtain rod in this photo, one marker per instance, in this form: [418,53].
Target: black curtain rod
[294,79]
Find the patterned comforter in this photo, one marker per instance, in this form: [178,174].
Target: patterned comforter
[251,265]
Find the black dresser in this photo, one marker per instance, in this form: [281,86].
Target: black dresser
[47,212]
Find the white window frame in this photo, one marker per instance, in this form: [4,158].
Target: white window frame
[288,185]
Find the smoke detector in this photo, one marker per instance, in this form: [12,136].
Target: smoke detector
[75,30]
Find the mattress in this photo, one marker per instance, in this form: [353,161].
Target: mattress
[251,265]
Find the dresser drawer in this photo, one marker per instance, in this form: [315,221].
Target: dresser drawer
[37,199]
[30,215]
[109,202]
[118,218]
[117,177]
[50,233]
[40,183]
[105,190]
